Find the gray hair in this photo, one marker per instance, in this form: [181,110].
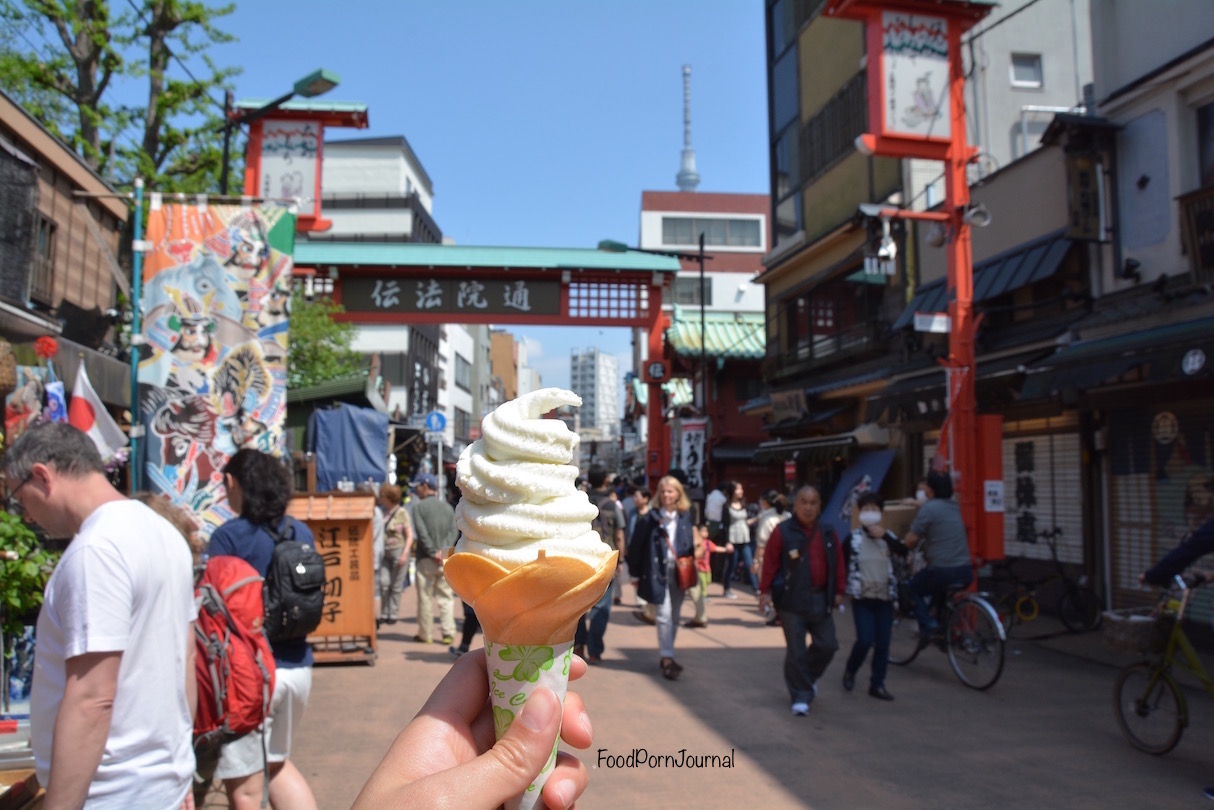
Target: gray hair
[69,450]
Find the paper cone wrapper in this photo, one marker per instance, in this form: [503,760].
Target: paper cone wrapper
[515,671]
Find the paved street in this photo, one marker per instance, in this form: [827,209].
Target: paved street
[1043,737]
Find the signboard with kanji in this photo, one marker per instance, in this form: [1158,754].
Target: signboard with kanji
[487,296]
[341,525]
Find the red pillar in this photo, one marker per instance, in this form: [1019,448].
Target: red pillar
[657,459]
[962,423]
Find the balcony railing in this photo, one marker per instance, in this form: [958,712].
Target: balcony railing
[1197,218]
[819,350]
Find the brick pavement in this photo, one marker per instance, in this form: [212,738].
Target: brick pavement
[1043,736]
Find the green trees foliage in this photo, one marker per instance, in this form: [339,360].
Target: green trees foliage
[318,346]
[23,577]
[128,83]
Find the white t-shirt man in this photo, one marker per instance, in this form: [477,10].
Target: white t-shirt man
[125,583]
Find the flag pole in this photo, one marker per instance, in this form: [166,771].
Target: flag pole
[137,249]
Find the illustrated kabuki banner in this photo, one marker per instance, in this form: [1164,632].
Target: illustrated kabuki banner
[213,369]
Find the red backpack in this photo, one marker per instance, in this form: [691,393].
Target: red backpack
[234,665]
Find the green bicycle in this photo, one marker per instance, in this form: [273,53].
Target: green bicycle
[1150,706]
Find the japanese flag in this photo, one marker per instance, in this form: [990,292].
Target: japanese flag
[88,414]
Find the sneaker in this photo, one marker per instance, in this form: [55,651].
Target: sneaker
[448,640]
[800,710]
[880,693]
[421,640]
[730,595]
[695,623]
[849,681]
[1208,793]
[456,651]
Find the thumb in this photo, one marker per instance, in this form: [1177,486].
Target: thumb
[512,764]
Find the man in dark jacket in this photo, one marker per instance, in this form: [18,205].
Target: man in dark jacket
[1197,544]
[805,554]
[610,524]
[434,532]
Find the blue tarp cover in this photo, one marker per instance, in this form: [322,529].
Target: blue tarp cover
[349,442]
[864,474]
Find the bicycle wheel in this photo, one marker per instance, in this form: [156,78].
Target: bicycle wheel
[904,638]
[1150,709]
[1080,610]
[975,644]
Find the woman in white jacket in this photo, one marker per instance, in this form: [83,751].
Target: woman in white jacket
[773,510]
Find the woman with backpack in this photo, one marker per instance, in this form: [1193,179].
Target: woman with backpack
[259,489]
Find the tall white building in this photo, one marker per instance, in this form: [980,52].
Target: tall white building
[595,377]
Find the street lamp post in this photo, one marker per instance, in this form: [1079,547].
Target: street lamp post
[314,84]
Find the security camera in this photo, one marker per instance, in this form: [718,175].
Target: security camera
[977,216]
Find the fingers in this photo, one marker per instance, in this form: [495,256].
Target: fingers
[568,781]
[506,769]
[575,723]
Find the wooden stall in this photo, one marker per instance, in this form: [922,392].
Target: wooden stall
[341,523]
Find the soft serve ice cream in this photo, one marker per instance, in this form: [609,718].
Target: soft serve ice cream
[527,560]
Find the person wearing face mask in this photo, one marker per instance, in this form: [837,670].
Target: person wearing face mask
[872,586]
[940,531]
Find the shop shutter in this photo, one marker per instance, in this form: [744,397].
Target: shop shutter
[1161,467]
[1042,489]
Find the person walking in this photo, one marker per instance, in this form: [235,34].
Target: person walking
[660,538]
[114,686]
[773,510]
[641,497]
[704,548]
[737,533]
[433,532]
[804,555]
[873,587]
[398,545]
[259,488]
[610,525]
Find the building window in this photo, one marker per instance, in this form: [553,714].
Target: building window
[463,373]
[687,292]
[748,388]
[727,232]
[463,421]
[42,278]
[1026,70]
[831,134]
[1205,143]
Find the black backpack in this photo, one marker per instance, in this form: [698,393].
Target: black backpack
[294,590]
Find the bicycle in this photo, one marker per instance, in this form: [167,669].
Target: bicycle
[1151,708]
[972,636]
[1078,605]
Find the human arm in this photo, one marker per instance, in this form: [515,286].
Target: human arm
[447,758]
[1197,544]
[773,556]
[840,576]
[621,537]
[191,674]
[81,727]
[421,531]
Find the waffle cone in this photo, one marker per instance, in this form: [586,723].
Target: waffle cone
[538,602]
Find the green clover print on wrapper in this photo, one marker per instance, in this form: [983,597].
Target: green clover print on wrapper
[502,718]
[530,661]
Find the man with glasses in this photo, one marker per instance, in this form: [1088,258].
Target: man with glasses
[113,690]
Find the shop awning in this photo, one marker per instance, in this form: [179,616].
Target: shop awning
[1169,353]
[922,395]
[807,419]
[730,335]
[678,391]
[734,451]
[1010,270]
[817,449]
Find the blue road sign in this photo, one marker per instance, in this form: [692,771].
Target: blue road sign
[436,421]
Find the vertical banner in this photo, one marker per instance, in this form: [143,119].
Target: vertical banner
[213,367]
[693,444]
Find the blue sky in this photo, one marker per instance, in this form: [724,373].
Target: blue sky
[539,122]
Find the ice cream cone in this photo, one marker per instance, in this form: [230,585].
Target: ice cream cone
[515,672]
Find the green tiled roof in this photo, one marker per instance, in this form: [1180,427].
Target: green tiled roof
[679,390]
[416,254]
[304,105]
[734,335]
